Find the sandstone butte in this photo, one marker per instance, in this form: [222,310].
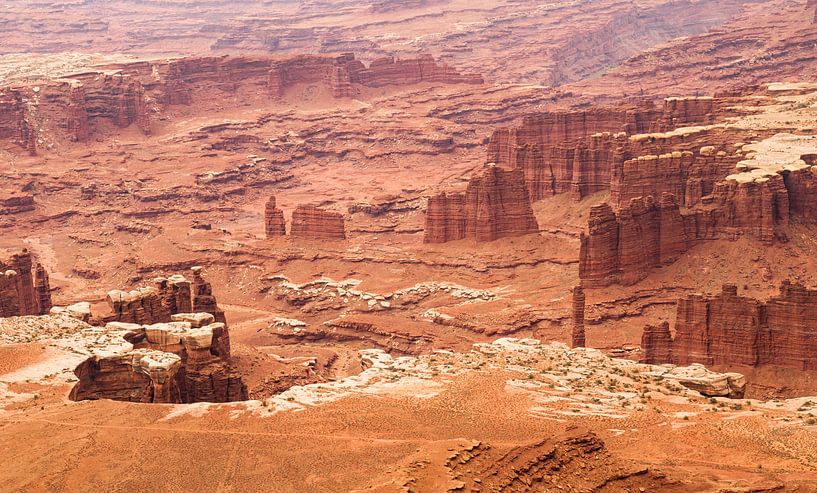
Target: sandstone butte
[494,205]
[120,93]
[24,286]
[728,330]
[314,223]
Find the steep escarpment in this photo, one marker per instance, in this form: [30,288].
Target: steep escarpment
[623,247]
[731,330]
[24,286]
[495,205]
[579,152]
[76,107]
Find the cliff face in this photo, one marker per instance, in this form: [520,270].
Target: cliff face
[15,121]
[729,330]
[166,297]
[495,205]
[183,361]
[24,287]
[317,224]
[391,71]
[127,94]
[623,247]
[578,334]
[587,151]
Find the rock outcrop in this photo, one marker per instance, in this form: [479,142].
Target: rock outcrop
[17,203]
[730,330]
[158,303]
[183,361]
[623,247]
[579,152]
[495,205]
[656,344]
[578,334]
[274,223]
[125,94]
[24,286]
[313,223]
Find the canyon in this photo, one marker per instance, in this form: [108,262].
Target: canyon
[428,245]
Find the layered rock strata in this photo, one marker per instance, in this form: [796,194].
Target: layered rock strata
[578,334]
[731,330]
[313,223]
[166,297]
[274,223]
[623,247]
[24,286]
[183,361]
[577,151]
[125,94]
[495,205]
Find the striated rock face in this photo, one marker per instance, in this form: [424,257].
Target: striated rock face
[274,223]
[656,344]
[391,71]
[17,203]
[623,247]
[585,151]
[203,299]
[731,330]
[342,72]
[24,287]
[495,205]
[578,334]
[317,224]
[178,362]
[15,122]
[167,297]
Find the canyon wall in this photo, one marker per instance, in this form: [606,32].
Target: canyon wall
[584,151]
[732,330]
[494,205]
[24,286]
[313,223]
[623,247]
[77,106]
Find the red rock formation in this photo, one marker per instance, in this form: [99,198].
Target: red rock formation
[183,361]
[16,203]
[656,344]
[390,71]
[42,289]
[335,72]
[159,303]
[495,205]
[583,151]
[24,290]
[445,218]
[274,223]
[203,299]
[578,334]
[623,247]
[317,224]
[731,330]
[14,121]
